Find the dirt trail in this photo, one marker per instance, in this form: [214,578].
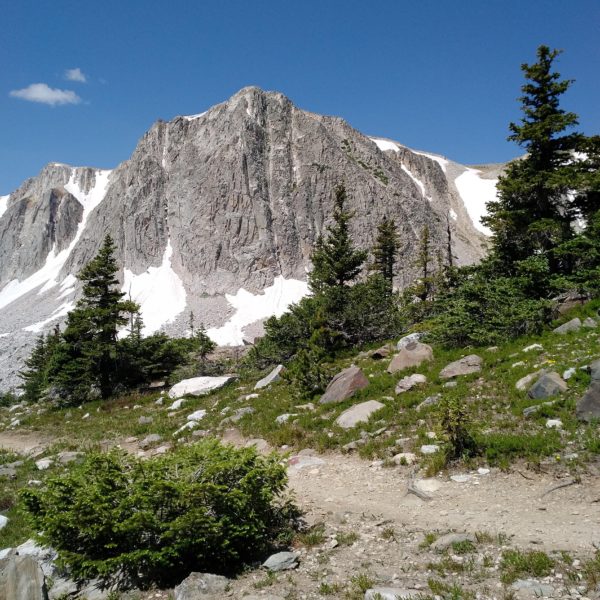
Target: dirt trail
[26,443]
[567,519]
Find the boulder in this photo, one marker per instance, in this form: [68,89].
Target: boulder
[145,420]
[22,578]
[261,446]
[464,366]
[409,382]
[380,353]
[588,406]
[272,377]
[549,384]
[409,339]
[282,561]
[3,522]
[533,588]
[404,458]
[198,586]
[344,385]
[360,413]
[429,448]
[590,323]
[411,355]
[572,325]
[198,386]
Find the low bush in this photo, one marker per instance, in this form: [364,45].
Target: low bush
[206,507]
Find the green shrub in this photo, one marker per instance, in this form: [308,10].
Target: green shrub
[206,507]
[516,563]
[455,424]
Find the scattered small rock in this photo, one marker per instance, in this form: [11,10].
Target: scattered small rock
[273,376]
[590,323]
[533,347]
[460,478]
[198,386]
[554,424]
[429,448]
[409,382]
[431,400]
[444,542]
[145,420]
[404,458]
[284,418]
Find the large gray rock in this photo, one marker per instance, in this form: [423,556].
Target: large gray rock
[527,380]
[22,578]
[201,586]
[198,386]
[464,366]
[282,561]
[549,384]
[344,385]
[588,406]
[409,339]
[360,413]
[413,354]
[233,198]
[572,325]
[274,375]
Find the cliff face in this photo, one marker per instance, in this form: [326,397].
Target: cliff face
[211,210]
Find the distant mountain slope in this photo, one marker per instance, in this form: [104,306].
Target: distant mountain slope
[217,213]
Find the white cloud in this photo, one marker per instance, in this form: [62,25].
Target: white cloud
[41,92]
[75,75]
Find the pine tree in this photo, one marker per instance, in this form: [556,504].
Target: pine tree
[87,357]
[422,263]
[203,344]
[335,260]
[533,213]
[385,250]
[37,365]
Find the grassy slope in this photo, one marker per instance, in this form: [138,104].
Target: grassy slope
[495,408]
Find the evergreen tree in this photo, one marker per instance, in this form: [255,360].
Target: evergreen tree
[385,250]
[533,213]
[422,263]
[88,355]
[37,365]
[335,260]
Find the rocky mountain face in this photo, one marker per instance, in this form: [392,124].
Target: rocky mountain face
[217,214]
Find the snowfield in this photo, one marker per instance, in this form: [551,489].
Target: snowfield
[475,193]
[385,144]
[47,276]
[159,291]
[3,204]
[250,308]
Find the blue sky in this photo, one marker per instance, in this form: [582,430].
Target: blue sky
[435,75]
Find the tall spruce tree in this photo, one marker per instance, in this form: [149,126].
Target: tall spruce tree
[336,262]
[423,263]
[533,212]
[88,357]
[385,250]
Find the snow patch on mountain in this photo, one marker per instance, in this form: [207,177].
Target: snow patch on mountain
[419,183]
[61,311]
[250,308]
[438,159]
[385,144]
[159,291]
[194,117]
[475,193]
[47,276]
[3,204]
